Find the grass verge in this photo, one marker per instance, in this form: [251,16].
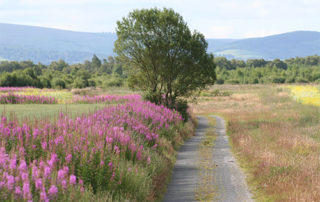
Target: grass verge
[205,190]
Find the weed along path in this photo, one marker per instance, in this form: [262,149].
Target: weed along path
[193,168]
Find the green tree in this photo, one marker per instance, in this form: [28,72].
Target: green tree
[223,63]
[95,62]
[58,83]
[165,58]
[58,66]
[279,64]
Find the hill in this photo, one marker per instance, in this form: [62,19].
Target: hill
[39,44]
[20,42]
[283,46]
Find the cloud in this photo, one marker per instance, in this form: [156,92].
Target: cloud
[220,32]
[217,19]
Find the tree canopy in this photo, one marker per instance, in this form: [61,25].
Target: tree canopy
[166,59]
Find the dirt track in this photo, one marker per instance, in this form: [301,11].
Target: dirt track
[229,179]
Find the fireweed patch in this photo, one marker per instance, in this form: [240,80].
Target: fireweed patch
[115,152]
[30,95]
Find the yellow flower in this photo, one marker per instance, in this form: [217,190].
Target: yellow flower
[306,94]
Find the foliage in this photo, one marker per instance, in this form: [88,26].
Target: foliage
[60,75]
[166,60]
[294,70]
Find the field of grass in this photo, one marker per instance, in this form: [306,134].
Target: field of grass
[275,138]
[40,111]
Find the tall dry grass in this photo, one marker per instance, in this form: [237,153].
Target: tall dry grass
[276,140]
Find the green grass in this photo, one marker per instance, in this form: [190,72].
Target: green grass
[36,111]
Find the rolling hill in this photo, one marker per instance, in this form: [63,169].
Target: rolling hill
[283,46]
[20,42]
[39,44]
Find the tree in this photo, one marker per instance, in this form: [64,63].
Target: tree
[95,62]
[223,63]
[166,60]
[58,83]
[256,63]
[58,66]
[279,64]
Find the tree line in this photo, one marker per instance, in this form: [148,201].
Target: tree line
[110,72]
[253,71]
[59,74]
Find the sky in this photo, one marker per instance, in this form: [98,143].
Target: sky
[213,18]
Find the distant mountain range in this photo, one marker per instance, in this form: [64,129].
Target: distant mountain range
[39,44]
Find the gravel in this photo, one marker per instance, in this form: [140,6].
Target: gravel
[229,179]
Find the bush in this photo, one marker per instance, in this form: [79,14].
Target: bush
[232,81]
[301,80]
[278,80]
[153,97]
[79,83]
[114,81]
[58,83]
[182,107]
[219,81]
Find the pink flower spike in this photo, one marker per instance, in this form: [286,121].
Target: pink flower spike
[10,182]
[73,179]
[38,184]
[13,164]
[23,166]
[18,191]
[26,190]
[43,195]
[61,174]
[24,176]
[64,184]
[68,158]
[53,191]
[47,172]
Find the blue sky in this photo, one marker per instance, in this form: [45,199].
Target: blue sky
[213,18]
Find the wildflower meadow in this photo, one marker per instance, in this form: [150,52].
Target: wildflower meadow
[116,153]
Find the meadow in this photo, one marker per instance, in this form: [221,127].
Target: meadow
[116,148]
[274,132]
[128,145]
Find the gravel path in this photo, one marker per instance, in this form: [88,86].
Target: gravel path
[185,173]
[229,179]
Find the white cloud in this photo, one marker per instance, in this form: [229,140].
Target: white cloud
[216,19]
[220,32]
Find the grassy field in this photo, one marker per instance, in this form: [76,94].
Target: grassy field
[275,138]
[32,111]
[36,111]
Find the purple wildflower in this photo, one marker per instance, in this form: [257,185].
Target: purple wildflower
[53,191]
[73,179]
